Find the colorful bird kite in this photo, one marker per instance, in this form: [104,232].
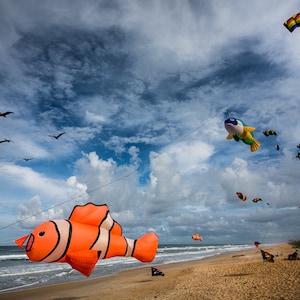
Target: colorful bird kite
[89,234]
[239,131]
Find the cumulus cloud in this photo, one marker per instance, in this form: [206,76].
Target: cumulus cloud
[141,90]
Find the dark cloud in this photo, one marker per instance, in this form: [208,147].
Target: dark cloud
[141,89]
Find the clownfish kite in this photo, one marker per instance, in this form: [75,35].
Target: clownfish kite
[89,234]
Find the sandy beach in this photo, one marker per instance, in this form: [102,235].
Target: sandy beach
[234,275]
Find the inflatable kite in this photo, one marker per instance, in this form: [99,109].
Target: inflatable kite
[293,22]
[241,196]
[238,130]
[89,234]
[255,200]
[196,237]
[269,132]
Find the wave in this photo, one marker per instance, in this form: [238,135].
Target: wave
[17,272]
[13,257]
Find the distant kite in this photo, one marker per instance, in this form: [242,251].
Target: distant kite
[57,136]
[239,131]
[292,23]
[298,155]
[277,147]
[255,200]
[269,132]
[4,114]
[298,146]
[241,196]
[196,237]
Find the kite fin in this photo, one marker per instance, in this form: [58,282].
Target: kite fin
[95,215]
[83,261]
[249,129]
[21,241]
[146,247]
[229,137]
[255,146]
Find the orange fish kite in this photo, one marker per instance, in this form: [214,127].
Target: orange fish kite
[89,234]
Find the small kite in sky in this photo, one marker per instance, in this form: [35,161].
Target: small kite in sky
[4,114]
[269,132]
[298,155]
[255,200]
[241,196]
[277,147]
[238,130]
[57,136]
[298,146]
[293,22]
[196,237]
[88,235]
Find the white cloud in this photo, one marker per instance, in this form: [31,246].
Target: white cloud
[132,78]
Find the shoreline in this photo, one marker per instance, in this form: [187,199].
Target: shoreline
[241,273]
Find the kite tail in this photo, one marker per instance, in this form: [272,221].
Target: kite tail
[255,146]
[146,247]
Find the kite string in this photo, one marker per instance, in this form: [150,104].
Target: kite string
[69,200]
[165,150]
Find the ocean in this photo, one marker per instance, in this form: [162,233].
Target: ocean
[17,272]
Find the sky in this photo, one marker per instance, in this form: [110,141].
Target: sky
[141,90]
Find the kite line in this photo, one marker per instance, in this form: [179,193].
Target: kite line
[165,150]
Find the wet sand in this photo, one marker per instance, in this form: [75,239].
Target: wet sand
[234,275]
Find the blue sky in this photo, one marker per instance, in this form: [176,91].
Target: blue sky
[141,90]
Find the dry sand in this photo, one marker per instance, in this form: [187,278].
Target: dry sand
[239,275]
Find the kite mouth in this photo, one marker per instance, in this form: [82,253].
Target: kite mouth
[30,242]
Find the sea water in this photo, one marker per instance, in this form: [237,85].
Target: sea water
[17,272]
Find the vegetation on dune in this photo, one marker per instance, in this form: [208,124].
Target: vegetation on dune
[294,243]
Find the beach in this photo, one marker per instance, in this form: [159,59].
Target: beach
[234,275]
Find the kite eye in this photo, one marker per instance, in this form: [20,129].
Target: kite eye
[41,233]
